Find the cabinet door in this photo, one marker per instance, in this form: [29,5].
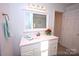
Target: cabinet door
[44,48]
[36,50]
[31,50]
[26,48]
[52,49]
[29,53]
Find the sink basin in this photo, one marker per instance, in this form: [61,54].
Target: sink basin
[28,37]
[35,37]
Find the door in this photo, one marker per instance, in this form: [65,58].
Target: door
[58,23]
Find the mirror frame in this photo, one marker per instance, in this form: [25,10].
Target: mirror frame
[37,29]
[46,21]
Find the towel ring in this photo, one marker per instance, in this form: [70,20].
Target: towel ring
[6,15]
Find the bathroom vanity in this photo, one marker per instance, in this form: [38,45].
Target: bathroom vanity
[43,45]
[37,45]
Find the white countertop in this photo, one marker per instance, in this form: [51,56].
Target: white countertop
[24,41]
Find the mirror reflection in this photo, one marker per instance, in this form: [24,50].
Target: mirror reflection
[39,21]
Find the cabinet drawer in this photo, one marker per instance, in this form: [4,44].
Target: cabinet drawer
[36,45]
[37,53]
[34,49]
[30,53]
[26,49]
[30,47]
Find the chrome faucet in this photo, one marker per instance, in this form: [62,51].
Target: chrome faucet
[38,34]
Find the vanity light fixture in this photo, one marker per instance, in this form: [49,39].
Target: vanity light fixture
[36,7]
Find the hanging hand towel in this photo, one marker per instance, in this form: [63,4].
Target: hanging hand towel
[6,28]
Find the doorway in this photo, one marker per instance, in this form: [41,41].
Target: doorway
[58,23]
[57,31]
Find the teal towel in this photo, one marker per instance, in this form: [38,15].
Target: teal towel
[6,28]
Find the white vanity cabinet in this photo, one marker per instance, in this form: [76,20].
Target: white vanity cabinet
[41,47]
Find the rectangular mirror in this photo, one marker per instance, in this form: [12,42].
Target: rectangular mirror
[39,21]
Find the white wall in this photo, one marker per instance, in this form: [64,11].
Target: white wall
[5,45]
[54,7]
[17,25]
[70,29]
[1,37]
[17,21]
